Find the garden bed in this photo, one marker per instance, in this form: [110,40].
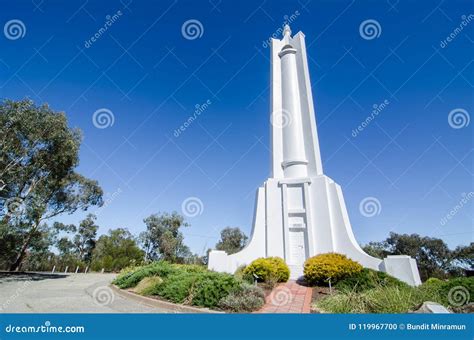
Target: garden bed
[157,302]
[191,285]
[454,294]
[319,293]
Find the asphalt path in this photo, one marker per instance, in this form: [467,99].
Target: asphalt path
[65,293]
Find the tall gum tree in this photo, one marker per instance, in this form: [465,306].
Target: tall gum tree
[38,156]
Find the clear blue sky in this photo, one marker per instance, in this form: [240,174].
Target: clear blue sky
[151,77]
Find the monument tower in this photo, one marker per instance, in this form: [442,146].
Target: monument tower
[300,212]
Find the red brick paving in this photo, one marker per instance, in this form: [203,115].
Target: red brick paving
[289,297]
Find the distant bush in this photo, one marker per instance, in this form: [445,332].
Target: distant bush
[270,269]
[247,298]
[319,269]
[367,279]
[147,284]
[131,279]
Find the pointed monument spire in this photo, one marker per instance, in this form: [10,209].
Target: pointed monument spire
[287,31]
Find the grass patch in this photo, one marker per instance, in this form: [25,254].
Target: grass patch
[397,298]
[382,299]
[147,284]
[368,279]
[132,278]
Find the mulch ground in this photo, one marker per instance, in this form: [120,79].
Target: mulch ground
[318,294]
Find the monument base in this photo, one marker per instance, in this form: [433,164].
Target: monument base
[284,226]
[402,267]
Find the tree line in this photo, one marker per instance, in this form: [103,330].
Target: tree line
[39,154]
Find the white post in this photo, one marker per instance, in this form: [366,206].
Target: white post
[54,268]
[65,270]
[85,271]
[102,271]
[77,269]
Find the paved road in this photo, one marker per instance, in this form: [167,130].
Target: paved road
[57,293]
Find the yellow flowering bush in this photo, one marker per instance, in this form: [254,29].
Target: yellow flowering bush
[319,269]
[270,269]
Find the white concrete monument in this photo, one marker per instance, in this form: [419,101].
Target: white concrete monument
[300,212]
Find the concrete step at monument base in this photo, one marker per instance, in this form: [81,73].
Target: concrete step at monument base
[296,271]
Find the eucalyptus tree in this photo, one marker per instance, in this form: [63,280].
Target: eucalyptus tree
[38,156]
[163,238]
[232,240]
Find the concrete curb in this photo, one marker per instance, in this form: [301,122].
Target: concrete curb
[175,308]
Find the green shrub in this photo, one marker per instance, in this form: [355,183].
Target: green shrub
[367,279]
[147,284]
[203,289]
[241,275]
[431,290]
[124,274]
[433,281]
[247,298]
[319,269]
[131,279]
[190,268]
[452,292]
[270,269]
[211,287]
[177,287]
